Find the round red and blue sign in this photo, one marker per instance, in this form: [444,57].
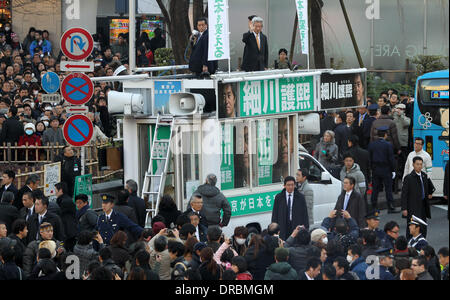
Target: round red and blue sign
[77,89]
[78,130]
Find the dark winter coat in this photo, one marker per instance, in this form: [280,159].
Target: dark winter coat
[55,220]
[12,188]
[138,205]
[412,196]
[298,254]
[120,255]
[257,265]
[255,59]
[214,203]
[11,132]
[299,212]
[68,211]
[8,214]
[388,121]
[199,56]
[281,271]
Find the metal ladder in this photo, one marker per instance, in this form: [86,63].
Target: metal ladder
[153,186]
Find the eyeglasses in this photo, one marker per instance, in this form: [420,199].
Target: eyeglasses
[395,232]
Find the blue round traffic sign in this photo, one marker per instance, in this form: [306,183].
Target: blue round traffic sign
[50,82]
[77,88]
[78,130]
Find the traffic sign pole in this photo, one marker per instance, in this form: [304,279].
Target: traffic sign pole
[77,44]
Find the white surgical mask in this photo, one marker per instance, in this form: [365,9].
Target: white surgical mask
[35,93]
[7,28]
[29,132]
[46,123]
[32,105]
[325,240]
[349,259]
[240,241]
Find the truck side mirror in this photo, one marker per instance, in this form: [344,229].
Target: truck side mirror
[325,177]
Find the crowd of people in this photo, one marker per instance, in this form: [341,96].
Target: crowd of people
[38,238]
[367,149]
[25,118]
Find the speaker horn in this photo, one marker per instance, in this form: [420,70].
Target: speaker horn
[125,103]
[186,104]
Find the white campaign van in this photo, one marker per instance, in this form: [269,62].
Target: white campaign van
[250,142]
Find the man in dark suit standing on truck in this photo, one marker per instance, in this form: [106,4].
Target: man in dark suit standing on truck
[198,63]
[256,51]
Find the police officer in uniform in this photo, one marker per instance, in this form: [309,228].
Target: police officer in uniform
[373,223]
[416,226]
[386,260]
[110,221]
[383,168]
[367,125]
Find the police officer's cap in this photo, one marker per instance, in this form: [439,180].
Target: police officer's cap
[385,252]
[107,198]
[417,221]
[383,128]
[374,214]
[373,107]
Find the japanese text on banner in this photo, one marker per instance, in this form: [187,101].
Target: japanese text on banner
[219,38]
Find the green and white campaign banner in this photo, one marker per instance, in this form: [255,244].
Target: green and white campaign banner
[275,96]
[219,37]
[252,204]
[303,24]
[265,151]
[227,165]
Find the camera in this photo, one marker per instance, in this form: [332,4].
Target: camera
[170,233]
[339,213]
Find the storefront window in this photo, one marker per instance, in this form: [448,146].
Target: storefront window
[5,12]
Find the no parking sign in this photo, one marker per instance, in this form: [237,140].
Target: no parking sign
[78,130]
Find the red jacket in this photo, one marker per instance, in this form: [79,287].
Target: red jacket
[150,57]
[32,140]
[244,276]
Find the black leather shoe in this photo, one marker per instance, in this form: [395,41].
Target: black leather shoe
[392,210]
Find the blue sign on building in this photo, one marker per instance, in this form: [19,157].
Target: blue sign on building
[163,90]
[50,82]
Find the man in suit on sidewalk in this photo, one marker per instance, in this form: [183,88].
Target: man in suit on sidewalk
[256,51]
[352,202]
[289,209]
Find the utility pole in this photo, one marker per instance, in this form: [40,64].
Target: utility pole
[352,36]
[132,35]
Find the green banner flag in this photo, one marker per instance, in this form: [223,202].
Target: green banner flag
[276,96]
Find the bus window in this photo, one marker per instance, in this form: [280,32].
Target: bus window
[434,91]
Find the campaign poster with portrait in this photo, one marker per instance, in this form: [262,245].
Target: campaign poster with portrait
[343,90]
[228,100]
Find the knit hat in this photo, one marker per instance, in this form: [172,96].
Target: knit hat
[157,227]
[317,234]
[30,126]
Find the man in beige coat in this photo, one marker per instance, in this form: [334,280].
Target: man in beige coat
[304,188]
